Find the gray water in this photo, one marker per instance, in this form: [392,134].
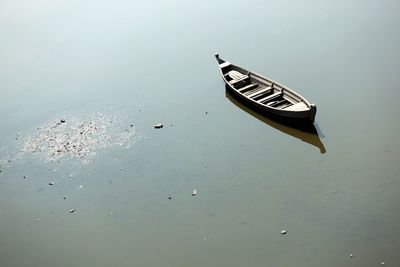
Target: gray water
[148,62]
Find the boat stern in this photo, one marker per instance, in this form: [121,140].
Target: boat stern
[313,112]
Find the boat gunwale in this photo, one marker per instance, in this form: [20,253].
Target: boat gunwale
[303,99]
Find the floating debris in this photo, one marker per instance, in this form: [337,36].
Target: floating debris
[283,232]
[80,138]
[194,192]
[71,210]
[158,126]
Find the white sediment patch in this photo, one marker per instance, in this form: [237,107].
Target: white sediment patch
[75,137]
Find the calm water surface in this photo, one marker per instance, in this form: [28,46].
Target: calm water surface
[335,193]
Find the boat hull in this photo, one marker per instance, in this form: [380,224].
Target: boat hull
[307,116]
[265,95]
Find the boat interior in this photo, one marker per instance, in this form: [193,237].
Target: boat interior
[262,91]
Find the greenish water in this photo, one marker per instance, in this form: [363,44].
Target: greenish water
[336,194]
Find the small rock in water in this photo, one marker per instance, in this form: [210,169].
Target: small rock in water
[158,126]
[194,192]
[71,210]
[283,232]
[62,121]
[51,183]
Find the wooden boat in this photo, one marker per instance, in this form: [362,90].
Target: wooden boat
[266,95]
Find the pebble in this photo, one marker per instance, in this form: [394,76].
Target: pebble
[158,126]
[194,192]
[283,232]
[51,183]
[71,210]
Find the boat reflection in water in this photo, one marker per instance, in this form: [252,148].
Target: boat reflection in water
[305,132]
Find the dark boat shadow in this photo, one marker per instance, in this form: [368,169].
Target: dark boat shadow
[308,133]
